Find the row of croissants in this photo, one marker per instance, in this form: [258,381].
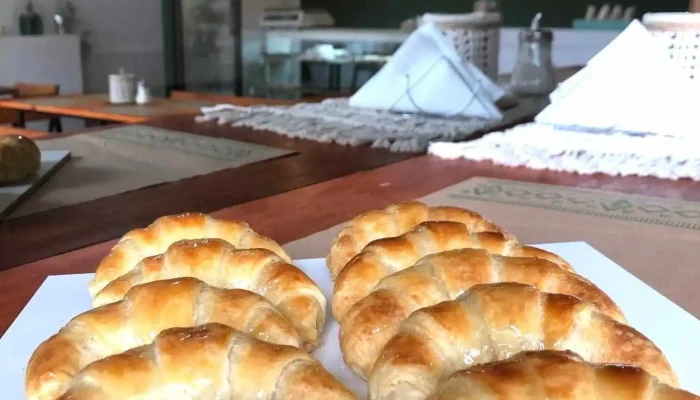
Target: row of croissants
[432,302]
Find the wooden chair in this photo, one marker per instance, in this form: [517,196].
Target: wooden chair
[8,116]
[28,90]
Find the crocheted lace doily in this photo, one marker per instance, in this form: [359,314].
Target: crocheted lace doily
[539,146]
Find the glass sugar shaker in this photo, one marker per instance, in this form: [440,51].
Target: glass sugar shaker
[534,73]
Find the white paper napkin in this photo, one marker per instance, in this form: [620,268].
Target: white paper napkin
[631,86]
[427,76]
[635,41]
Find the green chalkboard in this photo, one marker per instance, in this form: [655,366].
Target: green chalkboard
[390,13]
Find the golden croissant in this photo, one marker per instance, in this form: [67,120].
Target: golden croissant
[135,321]
[396,220]
[384,257]
[553,375]
[493,322]
[207,362]
[372,321]
[158,236]
[219,264]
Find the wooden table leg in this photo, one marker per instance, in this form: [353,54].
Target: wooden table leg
[21,119]
[55,125]
[331,79]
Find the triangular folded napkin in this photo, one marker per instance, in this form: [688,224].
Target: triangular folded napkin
[632,86]
[426,75]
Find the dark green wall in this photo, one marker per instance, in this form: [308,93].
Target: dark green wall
[390,13]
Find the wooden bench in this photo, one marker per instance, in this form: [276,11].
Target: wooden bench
[12,130]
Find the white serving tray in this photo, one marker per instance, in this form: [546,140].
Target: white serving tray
[674,330]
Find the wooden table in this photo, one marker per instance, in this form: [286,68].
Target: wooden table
[11,130]
[96,107]
[33,237]
[299,213]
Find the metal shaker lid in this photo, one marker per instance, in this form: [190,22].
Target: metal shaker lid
[542,35]
[535,33]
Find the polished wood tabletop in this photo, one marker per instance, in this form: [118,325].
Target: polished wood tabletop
[298,213]
[11,130]
[44,234]
[98,107]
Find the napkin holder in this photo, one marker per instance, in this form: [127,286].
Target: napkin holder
[427,76]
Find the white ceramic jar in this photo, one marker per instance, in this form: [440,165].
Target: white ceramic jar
[122,88]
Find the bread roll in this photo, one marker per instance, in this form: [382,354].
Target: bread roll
[393,221]
[553,375]
[135,321]
[372,321]
[20,158]
[219,264]
[384,257]
[207,362]
[493,322]
[157,237]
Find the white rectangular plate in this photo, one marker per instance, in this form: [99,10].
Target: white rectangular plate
[674,330]
[12,195]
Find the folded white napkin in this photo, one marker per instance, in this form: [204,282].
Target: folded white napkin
[631,86]
[427,76]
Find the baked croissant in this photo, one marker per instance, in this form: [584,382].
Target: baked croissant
[384,257]
[554,375]
[219,264]
[207,362]
[493,322]
[157,237]
[135,321]
[372,321]
[396,220]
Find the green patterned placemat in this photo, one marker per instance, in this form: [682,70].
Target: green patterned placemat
[593,202]
[540,213]
[151,138]
[655,239]
[130,157]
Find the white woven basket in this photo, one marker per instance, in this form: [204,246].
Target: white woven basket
[680,33]
[476,36]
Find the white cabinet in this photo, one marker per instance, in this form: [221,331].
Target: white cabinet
[42,59]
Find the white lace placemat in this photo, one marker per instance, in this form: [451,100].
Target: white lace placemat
[539,146]
[333,120]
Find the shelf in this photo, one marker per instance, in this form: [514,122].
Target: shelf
[281,56]
[342,35]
